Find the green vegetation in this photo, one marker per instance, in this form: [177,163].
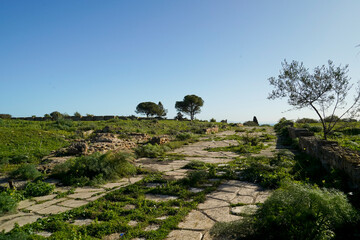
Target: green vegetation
[26,172]
[95,169]
[111,214]
[38,188]
[301,211]
[8,203]
[190,105]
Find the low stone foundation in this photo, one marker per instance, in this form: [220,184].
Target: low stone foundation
[330,154]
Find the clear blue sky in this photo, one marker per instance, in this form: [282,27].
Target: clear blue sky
[104,57]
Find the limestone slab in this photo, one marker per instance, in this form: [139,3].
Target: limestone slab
[196,190]
[38,207]
[26,203]
[83,195]
[132,223]
[72,203]
[242,199]
[82,222]
[221,214]
[184,235]
[212,203]
[135,179]
[114,185]
[207,236]
[226,196]
[21,220]
[53,209]
[246,209]
[45,198]
[44,234]
[88,189]
[261,198]
[228,188]
[196,220]
[159,198]
[95,197]
[152,227]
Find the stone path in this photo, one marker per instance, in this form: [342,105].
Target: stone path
[195,226]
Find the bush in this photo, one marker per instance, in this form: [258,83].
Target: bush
[5,116]
[213,120]
[149,150]
[184,136]
[281,127]
[306,120]
[95,169]
[38,188]
[301,211]
[26,172]
[195,164]
[7,203]
[315,128]
[250,124]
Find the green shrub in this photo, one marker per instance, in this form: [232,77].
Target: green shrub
[194,178]
[8,203]
[315,128]
[38,188]
[295,211]
[250,124]
[184,136]
[195,164]
[95,169]
[14,236]
[249,139]
[281,127]
[26,172]
[149,150]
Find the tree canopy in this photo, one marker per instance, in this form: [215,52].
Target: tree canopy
[325,91]
[151,109]
[191,105]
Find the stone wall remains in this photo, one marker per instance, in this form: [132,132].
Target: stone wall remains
[330,154]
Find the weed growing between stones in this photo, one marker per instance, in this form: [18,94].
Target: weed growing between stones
[128,211]
[38,188]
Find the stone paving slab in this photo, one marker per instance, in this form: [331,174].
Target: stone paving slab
[196,220]
[184,235]
[83,195]
[53,209]
[212,203]
[225,196]
[242,199]
[221,214]
[72,203]
[21,219]
[246,209]
[25,203]
[44,198]
[44,205]
[114,185]
[159,198]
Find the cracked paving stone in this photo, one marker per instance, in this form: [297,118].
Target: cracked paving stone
[184,235]
[226,196]
[246,209]
[45,198]
[72,203]
[221,214]
[196,220]
[39,207]
[242,199]
[21,219]
[54,209]
[212,203]
[26,203]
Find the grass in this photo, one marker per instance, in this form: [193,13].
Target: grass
[110,215]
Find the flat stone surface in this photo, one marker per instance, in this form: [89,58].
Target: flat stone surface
[44,234]
[53,209]
[212,203]
[242,184]
[196,190]
[226,196]
[246,209]
[248,192]
[39,207]
[159,198]
[114,185]
[26,203]
[152,227]
[83,195]
[96,197]
[261,198]
[45,198]
[135,179]
[162,217]
[88,189]
[21,220]
[242,199]
[228,188]
[207,236]
[132,223]
[184,235]
[221,214]
[129,207]
[82,222]
[196,220]
[114,236]
[72,203]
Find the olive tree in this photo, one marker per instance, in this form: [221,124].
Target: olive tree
[324,90]
[190,105]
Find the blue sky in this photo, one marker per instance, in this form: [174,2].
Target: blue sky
[105,57]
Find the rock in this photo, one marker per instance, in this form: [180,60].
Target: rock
[160,140]
[196,220]
[211,130]
[184,235]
